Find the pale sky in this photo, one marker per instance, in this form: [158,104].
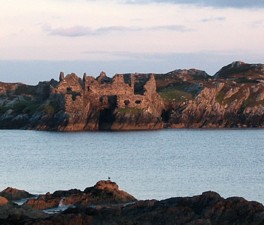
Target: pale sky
[40,38]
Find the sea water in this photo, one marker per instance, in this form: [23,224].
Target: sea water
[147,164]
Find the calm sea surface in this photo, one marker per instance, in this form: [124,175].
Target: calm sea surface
[152,164]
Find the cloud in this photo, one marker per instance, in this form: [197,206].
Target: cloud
[179,28]
[75,31]
[257,24]
[212,3]
[213,19]
[79,31]
[104,30]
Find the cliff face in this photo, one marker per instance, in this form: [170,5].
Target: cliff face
[124,102]
[233,97]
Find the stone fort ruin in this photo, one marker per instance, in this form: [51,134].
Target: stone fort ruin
[123,93]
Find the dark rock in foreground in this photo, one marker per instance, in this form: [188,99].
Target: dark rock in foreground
[3,201]
[103,193]
[14,194]
[106,204]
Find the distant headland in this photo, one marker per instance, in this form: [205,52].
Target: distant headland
[232,98]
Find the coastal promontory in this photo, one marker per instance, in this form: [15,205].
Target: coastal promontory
[232,98]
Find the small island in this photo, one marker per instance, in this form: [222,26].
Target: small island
[232,98]
[105,203]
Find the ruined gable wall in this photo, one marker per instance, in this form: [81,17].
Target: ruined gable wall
[150,87]
[149,101]
[116,87]
[70,83]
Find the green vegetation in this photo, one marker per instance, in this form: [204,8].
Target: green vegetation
[244,80]
[233,98]
[180,91]
[19,107]
[32,108]
[25,90]
[251,102]
[172,93]
[3,109]
[51,108]
[28,107]
[22,107]
[220,97]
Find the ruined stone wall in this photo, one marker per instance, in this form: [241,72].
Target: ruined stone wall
[116,87]
[71,83]
[131,101]
[89,101]
[150,87]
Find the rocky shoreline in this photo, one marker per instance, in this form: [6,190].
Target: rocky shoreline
[105,203]
[232,98]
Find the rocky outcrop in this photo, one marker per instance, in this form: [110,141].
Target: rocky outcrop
[241,70]
[233,97]
[3,201]
[13,214]
[103,193]
[208,208]
[14,194]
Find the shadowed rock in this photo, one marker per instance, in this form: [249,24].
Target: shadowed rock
[104,192]
[104,203]
[206,209]
[14,194]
